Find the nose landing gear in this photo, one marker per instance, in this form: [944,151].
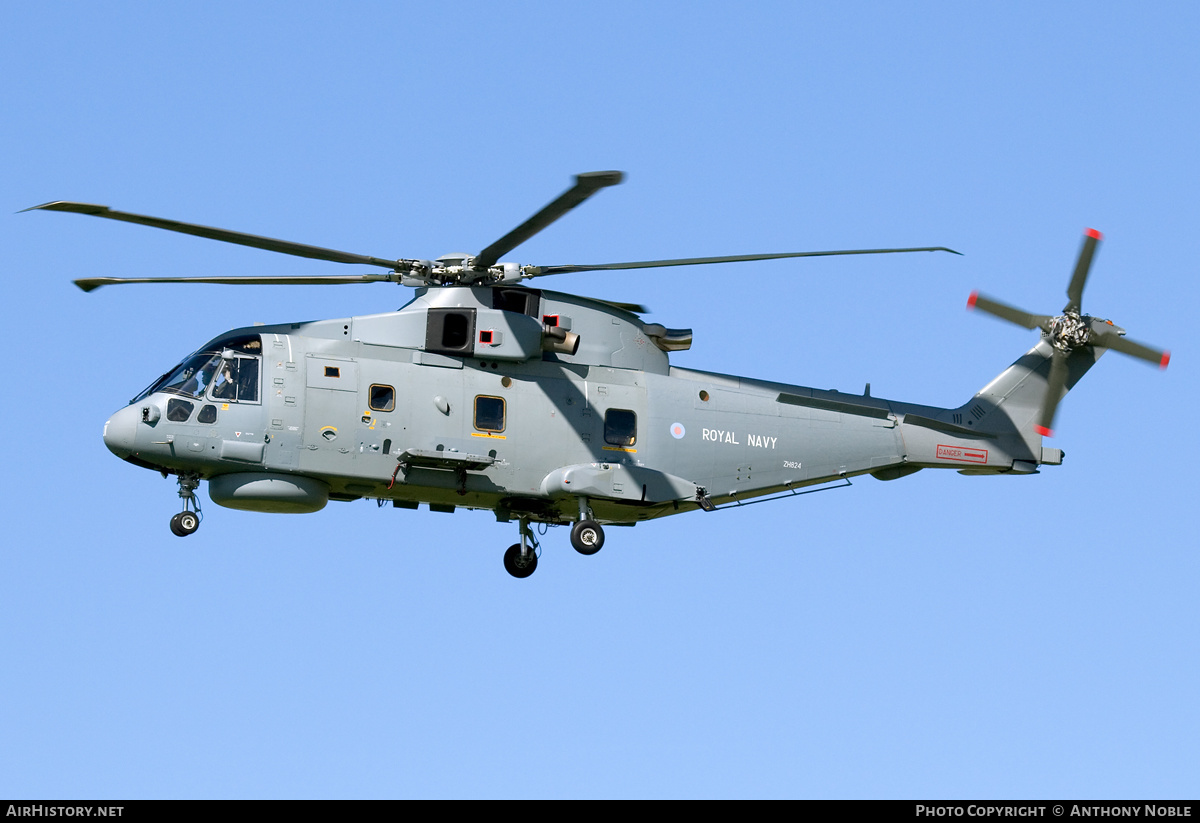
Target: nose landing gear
[520,560]
[187,521]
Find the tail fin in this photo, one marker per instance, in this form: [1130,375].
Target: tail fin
[1012,402]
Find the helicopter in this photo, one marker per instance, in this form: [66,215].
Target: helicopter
[549,408]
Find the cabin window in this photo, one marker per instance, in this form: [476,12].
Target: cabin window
[383,398]
[489,413]
[178,411]
[620,427]
[208,414]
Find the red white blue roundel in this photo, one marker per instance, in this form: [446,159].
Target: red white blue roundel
[678,431]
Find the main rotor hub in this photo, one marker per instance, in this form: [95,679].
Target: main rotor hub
[1068,332]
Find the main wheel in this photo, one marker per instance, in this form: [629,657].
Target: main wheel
[184,523]
[519,566]
[587,537]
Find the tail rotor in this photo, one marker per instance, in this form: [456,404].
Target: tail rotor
[1069,331]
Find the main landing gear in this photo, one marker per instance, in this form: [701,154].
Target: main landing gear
[520,560]
[586,535]
[187,521]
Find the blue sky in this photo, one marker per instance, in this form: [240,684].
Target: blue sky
[937,636]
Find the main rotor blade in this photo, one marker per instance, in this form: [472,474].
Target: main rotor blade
[92,283]
[1055,382]
[1091,239]
[1112,340]
[539,271]
[224,235]
[586,185]
[1006,312]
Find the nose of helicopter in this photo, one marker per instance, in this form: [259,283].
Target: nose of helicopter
[121,430]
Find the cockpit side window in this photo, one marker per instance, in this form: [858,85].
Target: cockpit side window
[248,380]
[236,381]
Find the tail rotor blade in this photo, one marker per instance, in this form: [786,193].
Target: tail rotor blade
[1055,383]
[1112,340]
[1091,240]
[1006,312]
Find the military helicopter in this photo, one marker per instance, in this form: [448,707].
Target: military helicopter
[550,408]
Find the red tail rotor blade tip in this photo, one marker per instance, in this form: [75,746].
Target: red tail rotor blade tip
[971,300]
[1043,431]
[1094,233]
[1166,358]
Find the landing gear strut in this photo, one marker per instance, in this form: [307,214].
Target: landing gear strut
[187,521]
[520,560]
[586,536]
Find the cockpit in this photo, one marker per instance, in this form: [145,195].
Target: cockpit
[225,370]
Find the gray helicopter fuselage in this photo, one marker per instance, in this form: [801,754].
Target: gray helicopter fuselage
[532,404]
[547,407]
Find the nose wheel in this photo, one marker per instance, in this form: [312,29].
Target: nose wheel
[184,523]
[188,520]
[520,560]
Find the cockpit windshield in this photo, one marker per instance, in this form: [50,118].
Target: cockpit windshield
[193,375]
[228,368]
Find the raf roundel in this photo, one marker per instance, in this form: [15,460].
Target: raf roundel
[678,431]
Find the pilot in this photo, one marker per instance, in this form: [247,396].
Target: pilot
[225,384]
[197,381]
